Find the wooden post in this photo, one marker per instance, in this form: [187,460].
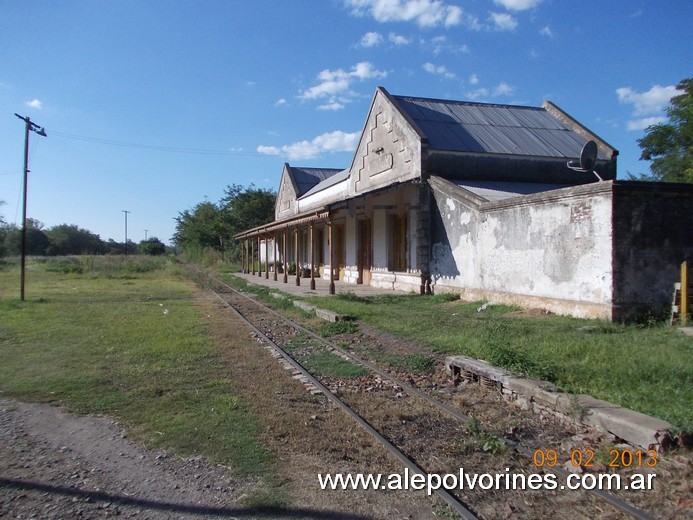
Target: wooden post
[259,259]
[276,251]
[266,258]
[252,255]
[330,238]
[298,267]
[286,264]
[312,256]
[684,294]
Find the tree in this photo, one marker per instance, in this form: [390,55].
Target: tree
[198,228]
[210,225]
[244,209]
[37,241]
[670,145]
[69,239]
[151,246]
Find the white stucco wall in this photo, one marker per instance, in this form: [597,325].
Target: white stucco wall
[554,251]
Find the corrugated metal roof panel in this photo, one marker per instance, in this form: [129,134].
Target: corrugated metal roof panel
[307,178]
[337,177]
[495,191]
[496,129]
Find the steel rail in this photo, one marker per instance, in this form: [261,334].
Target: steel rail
[454,503]
[623,506]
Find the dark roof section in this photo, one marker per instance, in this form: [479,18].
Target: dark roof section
[340,176]
[306,179]
[459,126]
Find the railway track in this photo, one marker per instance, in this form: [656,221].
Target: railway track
[421,431]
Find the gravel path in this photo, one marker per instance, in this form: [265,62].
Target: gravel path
[58,465]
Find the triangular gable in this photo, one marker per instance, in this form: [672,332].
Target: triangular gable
[389,150]
[286,205]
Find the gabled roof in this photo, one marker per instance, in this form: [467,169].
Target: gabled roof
[305,179]
[484,128]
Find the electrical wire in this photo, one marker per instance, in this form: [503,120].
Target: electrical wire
[175,149]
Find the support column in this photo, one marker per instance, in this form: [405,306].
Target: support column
[298,268]
[330,238]
[276,252]
[312,256]
[286,264]
[252,255]
[259,258]
[266,258]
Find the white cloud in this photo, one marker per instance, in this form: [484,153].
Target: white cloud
[642,123]
[650,102]
[280,102]
[438,70]
[425,13]
[517,5]
[503,89]
[503,21]
[329,142]
[34,103]
[473,79]
[398,40]
[334,85]
[335,105]
[371,39]
[479,93]
[647,106]
[546,31]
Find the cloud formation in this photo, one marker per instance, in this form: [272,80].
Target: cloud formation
[425,13]
[438,70]
[503,21]
[335,85]
[34,103]
[647,106]
[517,5]
[330,142]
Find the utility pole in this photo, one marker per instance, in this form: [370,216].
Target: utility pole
[145,234]
[29,126]
[126,231]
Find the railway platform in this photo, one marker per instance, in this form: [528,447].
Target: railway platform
[321,286]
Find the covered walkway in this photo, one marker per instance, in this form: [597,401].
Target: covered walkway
[322,287]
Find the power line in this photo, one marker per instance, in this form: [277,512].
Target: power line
[177,149]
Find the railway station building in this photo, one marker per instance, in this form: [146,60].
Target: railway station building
[478,199]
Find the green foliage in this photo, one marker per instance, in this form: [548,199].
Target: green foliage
[213,226]
[670,145]
[135,349]
[151,246]
[338,327]
[69,239]
[645,367]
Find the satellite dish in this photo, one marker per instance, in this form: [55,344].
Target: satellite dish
[588,158]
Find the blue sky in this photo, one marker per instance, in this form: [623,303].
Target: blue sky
[153,106]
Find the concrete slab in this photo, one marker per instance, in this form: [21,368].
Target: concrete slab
[303,305]
[686,331]
[479,367]
[633,427]
[329,315]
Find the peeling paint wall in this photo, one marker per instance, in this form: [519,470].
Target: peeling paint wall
[554,247]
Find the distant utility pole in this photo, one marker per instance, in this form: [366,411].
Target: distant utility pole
[29,126]
[126,231]
[145,234]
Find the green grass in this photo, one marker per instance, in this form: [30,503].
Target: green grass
[645,367]
[122,337]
